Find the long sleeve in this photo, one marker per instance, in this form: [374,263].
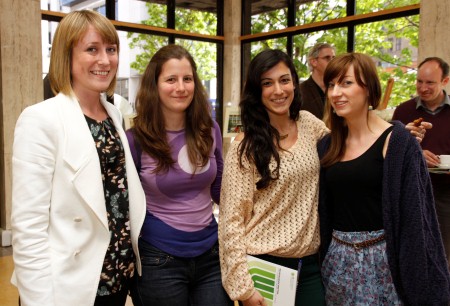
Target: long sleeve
[236,206]
[33,166]
[281,219]
[216,185]
[415,251]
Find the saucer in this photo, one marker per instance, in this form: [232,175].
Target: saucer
[443,166]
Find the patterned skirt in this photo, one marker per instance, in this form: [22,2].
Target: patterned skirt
[358,276]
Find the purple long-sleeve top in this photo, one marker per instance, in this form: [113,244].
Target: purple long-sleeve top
[179,216]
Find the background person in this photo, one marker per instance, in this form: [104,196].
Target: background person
[181,170]
[270,184]
[378,223]
[433,104]
[312,91]
[77,201]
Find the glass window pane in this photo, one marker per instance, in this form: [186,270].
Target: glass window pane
[276,43]
[66,6]
[254,48]
[302,44]
[205,57]
[152,13]
[364,6]
[268,16]
[319,10]
[48,29]
[197,17]
[136,50]
[393,45]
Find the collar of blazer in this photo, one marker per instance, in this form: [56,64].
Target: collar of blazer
[81,155]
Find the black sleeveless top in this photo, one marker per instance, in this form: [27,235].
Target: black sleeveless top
[355,188]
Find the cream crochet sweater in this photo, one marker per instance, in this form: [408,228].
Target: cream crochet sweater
[281,220]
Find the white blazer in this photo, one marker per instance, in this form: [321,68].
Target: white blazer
[59,221]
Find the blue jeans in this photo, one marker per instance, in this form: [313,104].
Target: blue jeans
[168,280]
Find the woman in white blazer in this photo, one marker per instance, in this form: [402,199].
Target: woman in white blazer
[78,205]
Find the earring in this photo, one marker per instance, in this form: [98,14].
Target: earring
[370,107]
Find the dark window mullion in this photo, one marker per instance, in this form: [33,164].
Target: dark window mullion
[351,11]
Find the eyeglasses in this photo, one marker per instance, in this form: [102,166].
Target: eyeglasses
[327,58]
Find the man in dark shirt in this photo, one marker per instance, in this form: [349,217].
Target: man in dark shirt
[312,91]
[433,105]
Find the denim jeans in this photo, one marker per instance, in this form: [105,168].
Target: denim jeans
[168,280]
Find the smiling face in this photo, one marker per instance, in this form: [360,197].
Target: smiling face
[94,64]
[277,90]
[430,83]
[176,86]
[347,97]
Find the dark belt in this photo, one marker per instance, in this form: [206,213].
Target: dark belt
[362,244]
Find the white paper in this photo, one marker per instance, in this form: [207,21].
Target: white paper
[277,284]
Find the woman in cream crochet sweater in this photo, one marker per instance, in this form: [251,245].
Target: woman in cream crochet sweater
[270,184]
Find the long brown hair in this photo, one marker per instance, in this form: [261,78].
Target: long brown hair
[367,77]
[149,124]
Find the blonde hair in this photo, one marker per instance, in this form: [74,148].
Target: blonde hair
[69,32]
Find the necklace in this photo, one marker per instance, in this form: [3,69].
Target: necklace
[284,136]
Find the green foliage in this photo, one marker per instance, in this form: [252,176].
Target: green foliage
[363,7]
[269,21]
[204,53]
[375,39]
[380,40]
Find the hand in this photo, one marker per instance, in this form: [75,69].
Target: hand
[431,158]
[255,300]
[419,131]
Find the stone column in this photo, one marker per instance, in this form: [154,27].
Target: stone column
[232,58]
[20,85]
[433,30]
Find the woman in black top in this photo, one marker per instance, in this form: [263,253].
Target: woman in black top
[378,225]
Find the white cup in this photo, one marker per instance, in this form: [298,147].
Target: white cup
[445,161]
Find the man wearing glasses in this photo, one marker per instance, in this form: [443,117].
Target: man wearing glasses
[433,105]
[312,91]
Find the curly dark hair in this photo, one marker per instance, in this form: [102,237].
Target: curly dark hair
[149,124]
[258,144]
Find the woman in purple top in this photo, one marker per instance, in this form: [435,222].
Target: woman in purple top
[181,171]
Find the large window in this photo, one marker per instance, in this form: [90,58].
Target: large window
[386,30]
[146,26]
[311,11]
[264,20]
[380,40]
[369,6]
[303,42]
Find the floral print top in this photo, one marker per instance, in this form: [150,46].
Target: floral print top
[118,265]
